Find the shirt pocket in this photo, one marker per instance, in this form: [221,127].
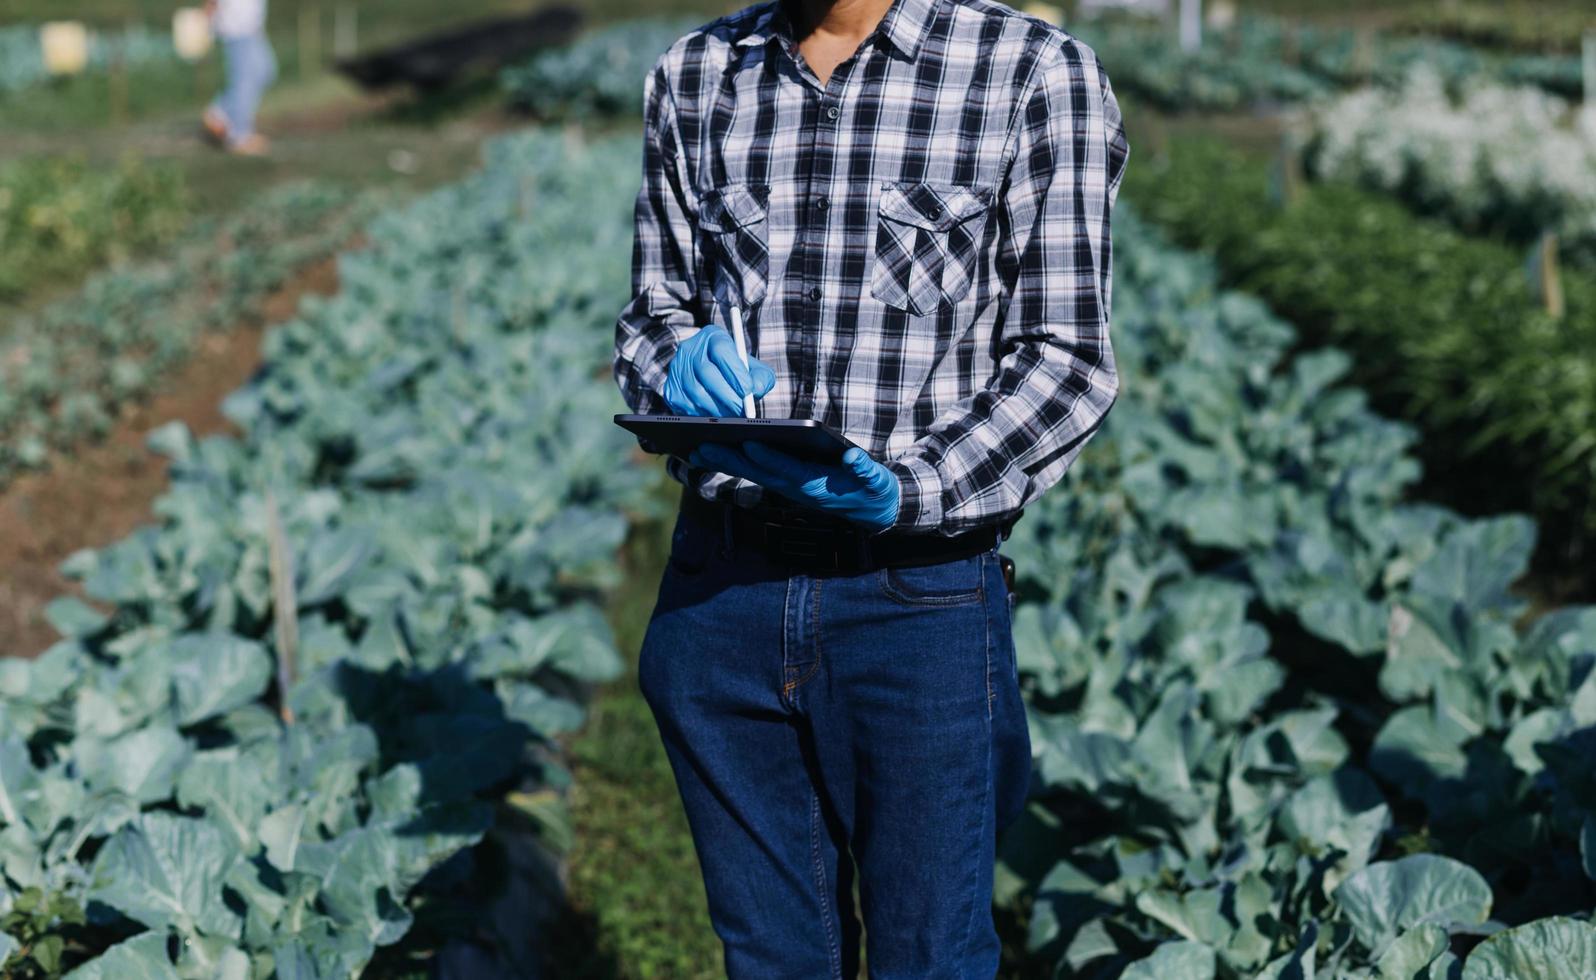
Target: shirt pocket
[734,225]
[928,244]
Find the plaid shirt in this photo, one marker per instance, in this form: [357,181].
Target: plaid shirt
[920,247]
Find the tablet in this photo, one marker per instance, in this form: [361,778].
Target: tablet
[678,435]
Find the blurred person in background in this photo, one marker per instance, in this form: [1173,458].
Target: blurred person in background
[251,69]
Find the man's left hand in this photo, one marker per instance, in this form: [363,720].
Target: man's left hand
[860,489]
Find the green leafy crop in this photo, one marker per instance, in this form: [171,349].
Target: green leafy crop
[22,64]
[67,370]
[1258,678]
[1262,60]
[429,475]
[1444,330]
[60,217]
[601,74]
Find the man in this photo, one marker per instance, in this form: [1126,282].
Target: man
[908,203]
[251,69]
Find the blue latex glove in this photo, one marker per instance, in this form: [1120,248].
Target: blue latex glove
[706,377]
[861,489]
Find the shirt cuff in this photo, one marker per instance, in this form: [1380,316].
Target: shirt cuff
[919,495]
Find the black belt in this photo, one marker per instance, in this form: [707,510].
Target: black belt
[811,541]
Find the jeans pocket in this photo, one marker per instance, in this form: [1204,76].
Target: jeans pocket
[951,583]
[735,227]
[928,245]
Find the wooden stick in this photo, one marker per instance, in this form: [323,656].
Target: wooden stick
[1551,276]
[285,605]
[346,25]
[309,40]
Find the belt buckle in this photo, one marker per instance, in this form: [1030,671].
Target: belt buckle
[807,544]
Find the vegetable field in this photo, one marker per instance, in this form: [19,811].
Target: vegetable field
[22,64]
[1300,709]
[1262,61]
[61,218]
[316,720]
[1287,723]
[67,370]
[1446,329]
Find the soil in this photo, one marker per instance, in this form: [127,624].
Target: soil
[95,495]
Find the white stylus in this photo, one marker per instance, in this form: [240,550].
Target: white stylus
[742,352]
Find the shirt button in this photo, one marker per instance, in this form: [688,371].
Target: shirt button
[832,112]
[822,203]
[814,294]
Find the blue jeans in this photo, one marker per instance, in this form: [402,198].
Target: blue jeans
[818,723]
[251,69]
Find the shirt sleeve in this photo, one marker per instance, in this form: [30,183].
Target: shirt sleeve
[662,311]
[992,453]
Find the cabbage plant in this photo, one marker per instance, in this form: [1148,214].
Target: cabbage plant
[1286,723]
[428,491]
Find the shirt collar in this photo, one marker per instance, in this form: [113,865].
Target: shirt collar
[907,23]
[904,26]
[765,27]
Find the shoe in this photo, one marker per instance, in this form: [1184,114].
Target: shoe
[253,145]
[215,125]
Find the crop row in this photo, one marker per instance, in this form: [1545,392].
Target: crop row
[1446,331]
[1510,160]
[1256,60]
[61,217]
[1553,28]
[1264,60]
[314,727]
[599,74]
[22,64]
[1285,723]
[68,369]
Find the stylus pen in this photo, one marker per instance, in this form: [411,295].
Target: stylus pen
[742,352]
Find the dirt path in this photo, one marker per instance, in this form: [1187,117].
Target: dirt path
[97,494]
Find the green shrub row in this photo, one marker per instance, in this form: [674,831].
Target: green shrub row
[67,370]
[313,732]
[60,217]
[1262,60]
[1257,60]
[1544,27]
[600,74]
[1286,724]
[1446,331]
[22,64]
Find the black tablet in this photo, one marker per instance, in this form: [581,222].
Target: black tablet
[678,435]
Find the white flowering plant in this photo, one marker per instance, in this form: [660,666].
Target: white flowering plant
[1508,160]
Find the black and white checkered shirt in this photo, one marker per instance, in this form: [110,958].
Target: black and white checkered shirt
[920,247]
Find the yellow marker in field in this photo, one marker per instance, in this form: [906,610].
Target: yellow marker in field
[66,46]
[1221,15]
[191,33]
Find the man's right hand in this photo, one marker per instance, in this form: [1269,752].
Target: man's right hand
[706,377]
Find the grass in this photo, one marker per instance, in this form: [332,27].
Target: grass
[636,898]
[106,99]
[62,218]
